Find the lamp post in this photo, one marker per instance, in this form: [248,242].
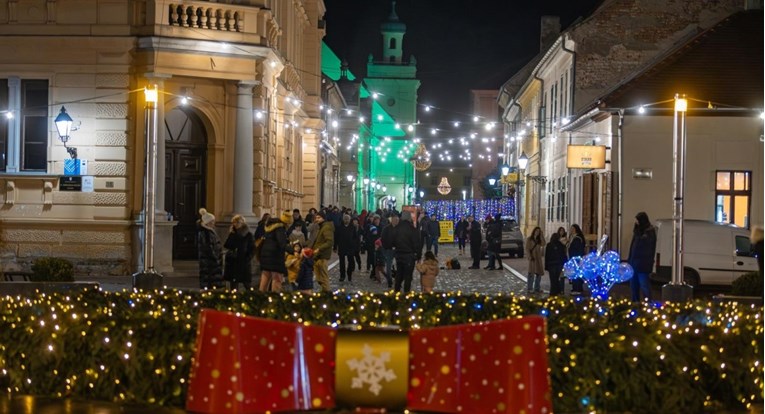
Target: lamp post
[505,170]
[676,290]
[64,127]
[148,278]
[523,161]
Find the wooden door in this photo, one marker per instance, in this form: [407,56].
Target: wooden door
[185,172]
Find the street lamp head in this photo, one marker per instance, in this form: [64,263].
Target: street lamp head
[410,189]
[681,104]
[385,188]
[151,94]
[366,181]
[523,160]
[492,181]
[505,169]
[422,194]
[349,177]
[64,125]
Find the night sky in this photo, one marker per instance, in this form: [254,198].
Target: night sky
[459,44]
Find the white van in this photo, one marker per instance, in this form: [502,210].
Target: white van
[713,253]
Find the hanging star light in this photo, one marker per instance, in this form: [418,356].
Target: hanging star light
[600,271]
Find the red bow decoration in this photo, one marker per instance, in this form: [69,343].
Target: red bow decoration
[252,365]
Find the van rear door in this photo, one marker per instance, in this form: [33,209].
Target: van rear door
[744,260]
[708,249]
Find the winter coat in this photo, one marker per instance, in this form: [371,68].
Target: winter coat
[346,239]
[575,246]
[434,229]
[406,239]
[325,240]
[299,224]
[241,249]
[293,266]
[428,271]
[643,250]
[387,236]
[305,274]
[475,234]
[536,256]
[462,229]
[494,236]
[275,247]
[209,249]
[313,231]
[555,256]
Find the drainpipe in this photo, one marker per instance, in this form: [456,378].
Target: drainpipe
[540,223]
[519,200]
[619,139]
[569,179]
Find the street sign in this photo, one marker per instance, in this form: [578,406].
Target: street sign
[586,156]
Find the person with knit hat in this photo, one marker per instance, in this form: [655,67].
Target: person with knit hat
[209,251]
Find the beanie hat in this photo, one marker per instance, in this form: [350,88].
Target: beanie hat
[286,217]
[322,214]
[207,218]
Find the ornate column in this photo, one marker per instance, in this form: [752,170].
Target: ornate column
[243,150]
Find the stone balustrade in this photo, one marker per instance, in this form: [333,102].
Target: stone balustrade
[206,15]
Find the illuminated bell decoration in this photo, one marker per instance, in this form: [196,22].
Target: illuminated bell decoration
[421,159]
[444,187]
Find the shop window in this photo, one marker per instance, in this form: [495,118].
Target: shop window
[733,195]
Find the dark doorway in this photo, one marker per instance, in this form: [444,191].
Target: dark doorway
[185,171]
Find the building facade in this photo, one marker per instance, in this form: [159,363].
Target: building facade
[239,95]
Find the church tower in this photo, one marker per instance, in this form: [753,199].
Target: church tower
[393,81]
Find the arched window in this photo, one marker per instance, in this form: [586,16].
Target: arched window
[392,43]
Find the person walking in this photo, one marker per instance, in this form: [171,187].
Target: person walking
[433,234]
[535,250]
[322,249]
[494,239]
[563,235]
[209,249]
[386,238]
[276,245]
[239,252]
[406,244]
[461,231]
[474,233]
[555,258]
[642,252]
[428,269]
[576,249]
[345,240]
[358,241]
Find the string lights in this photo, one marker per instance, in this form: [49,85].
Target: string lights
[132,347]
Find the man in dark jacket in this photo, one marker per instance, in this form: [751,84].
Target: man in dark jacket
[642,252]
[406,243]
[346,242]
[555,258]
[322,249]
[474,232]
[494,239]
[387,237]
[433,234]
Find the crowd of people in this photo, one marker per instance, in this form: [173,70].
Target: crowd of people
[290,252]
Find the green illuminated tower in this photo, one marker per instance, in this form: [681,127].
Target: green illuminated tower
[394,83]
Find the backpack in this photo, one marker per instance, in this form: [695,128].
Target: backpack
[455,264]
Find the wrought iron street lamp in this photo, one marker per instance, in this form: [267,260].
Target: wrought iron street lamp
[64,127]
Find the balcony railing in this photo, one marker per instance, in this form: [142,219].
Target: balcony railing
[213,16]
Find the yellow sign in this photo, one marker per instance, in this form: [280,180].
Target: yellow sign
[586,156]
[447,231]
